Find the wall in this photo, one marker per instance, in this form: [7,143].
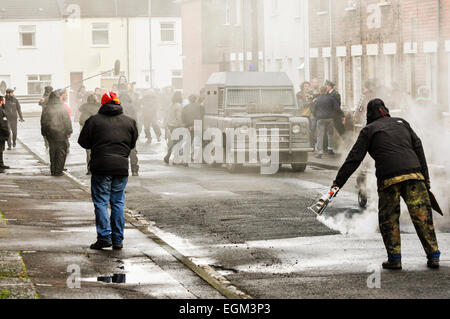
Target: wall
[46,58]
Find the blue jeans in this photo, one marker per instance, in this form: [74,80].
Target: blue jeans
[109,190]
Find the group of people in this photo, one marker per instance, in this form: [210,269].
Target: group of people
[322,106]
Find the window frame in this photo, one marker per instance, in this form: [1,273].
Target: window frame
[174,29]
[108,29]
[34,38]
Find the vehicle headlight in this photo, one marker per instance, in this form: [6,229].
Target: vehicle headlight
[296,129]
[244,130]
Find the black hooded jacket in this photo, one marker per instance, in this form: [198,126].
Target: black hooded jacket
[391,142]
[111,136]
[55,121]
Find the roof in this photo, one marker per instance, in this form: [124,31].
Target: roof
[29,9]
[58,9]
[250,79]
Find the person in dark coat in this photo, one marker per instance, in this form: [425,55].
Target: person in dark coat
[130,110]
[4,133]
[56,127]
[150,115]
[339,119]
[86,111]
[110,135]
[43,103]
[13,112]
[325,110]
[402,171]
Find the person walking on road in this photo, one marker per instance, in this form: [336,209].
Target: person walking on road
[173,121]
[402,171]
[13,112]
[325,110]
[56,127]
[4,133]
[130,110]
[87,110]
[110,135]
[150,110]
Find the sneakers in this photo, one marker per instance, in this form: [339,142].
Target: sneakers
[319,156]
[433,263]
[135,174]
[100,244]
[4,167]
[394,265]
[117,246]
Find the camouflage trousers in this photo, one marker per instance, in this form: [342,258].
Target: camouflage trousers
[416,197]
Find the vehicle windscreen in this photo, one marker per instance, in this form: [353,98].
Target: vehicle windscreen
[239,99]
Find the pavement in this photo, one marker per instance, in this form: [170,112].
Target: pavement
[250,232]
[46,228]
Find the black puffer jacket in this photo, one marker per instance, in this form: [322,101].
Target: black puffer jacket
[4,127]
[55,121]
[391,142]
[111,136]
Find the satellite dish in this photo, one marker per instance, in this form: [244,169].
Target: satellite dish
[117,68]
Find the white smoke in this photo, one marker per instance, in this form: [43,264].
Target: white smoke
[434,131]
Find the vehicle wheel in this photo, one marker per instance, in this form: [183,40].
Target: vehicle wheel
[299,168]
[362,200]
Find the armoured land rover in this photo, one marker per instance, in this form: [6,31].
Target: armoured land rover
[258,100]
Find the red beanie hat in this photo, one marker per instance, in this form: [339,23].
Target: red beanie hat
[110,98]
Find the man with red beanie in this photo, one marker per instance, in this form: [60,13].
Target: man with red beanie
[110,135]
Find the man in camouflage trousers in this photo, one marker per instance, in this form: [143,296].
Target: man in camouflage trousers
[402,171]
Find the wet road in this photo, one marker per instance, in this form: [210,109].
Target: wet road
[255,231]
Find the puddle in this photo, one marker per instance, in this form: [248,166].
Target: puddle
[135,272]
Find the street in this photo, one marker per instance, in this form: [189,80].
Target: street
[255,231]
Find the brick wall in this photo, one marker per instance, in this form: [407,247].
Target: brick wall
[368,23]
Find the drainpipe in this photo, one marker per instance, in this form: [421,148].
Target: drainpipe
[150,60]
[438,54]
[128,49]
[331,38]
[307,41]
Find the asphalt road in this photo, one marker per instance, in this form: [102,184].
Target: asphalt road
[255,229]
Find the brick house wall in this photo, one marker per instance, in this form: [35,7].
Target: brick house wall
[376,33]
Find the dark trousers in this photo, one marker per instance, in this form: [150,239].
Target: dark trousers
[134,161]
[13,136]
[171,142]
[58,155]
[2,149]
[148,124]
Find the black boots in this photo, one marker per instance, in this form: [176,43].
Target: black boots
[395,265]
[100,244]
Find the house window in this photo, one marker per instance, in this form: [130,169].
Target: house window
[177,79]
[37,83]
[100,34]
[167,32]
[27,36]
